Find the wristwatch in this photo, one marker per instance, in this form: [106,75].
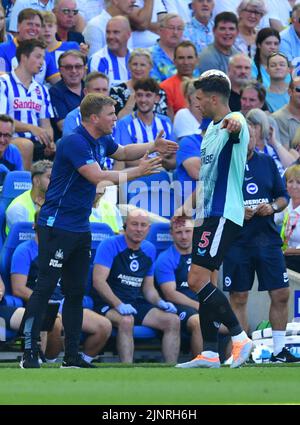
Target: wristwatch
[275,207]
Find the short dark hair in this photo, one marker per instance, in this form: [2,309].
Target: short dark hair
[258,87]
[214,83]
[29,13]
[6,118]
[185,43]
[226,17]
[26,47]
[72,52]
[147,84]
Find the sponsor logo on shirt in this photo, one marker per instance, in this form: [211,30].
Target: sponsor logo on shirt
[26,104]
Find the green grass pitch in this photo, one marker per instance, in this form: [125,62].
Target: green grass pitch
[150,384]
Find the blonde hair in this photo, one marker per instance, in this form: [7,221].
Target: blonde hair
[292,172]
[138,52]
[259,5]
[49,17]
[3,31]
[93,104]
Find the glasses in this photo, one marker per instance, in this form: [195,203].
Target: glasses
[72,12]
[171,28]
[71,67]
[5,135]
[254,12]
[297,89]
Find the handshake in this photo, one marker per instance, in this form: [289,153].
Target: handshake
[128,309]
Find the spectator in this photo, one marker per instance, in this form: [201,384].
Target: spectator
[171,276]
[144,125]
[279,14]
[54,47]
[290,38]
[140,64]
[239,69]
[28,103]
[24,206]
[95,30]
[112,59]
[226,5]
[250,12]
[66,13]
[266,141]
[24,272]
[258,249]
[67,94]
[170,32]
[187,120]
[30,24]
[217,54]
[123,271]
[278,69]
[19,5]
[105,212]
[253,95]
[290,231]
[4,36]
[10,157]
[94,82]
[200,30]
[288,117]
[185,60]
[267,42]
[90,8]
[180,7]
[295,149]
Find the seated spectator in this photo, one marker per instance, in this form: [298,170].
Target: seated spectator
[266,141]
[105,212]
[113,58]
[288,117]
[90,8]
[267,42]
[67,94]
[217,54]
[200,29]
[24,206]
[253,95]
[185,60]
[171,277]
[180,7]
[140,64]
[10,157]
[19,5]
[123,272]
[4,36]
[279,14]
[278,69]
[144,125]
[239,69]
[30,24]
[290,232]
[28,103]
[54,47]
[290,38]
[171,29]
[250,12]
[187,120]
[24,271]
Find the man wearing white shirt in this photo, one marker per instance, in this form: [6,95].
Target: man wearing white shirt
[19,5]
[180,7]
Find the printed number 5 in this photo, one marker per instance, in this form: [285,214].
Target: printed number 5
[204,242]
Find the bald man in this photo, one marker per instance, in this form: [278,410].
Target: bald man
[123,273]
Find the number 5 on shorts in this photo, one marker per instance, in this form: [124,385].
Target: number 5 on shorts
[204,240]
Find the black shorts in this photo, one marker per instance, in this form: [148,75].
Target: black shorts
[241,263]
[185,312]
[6,313]
[212,240]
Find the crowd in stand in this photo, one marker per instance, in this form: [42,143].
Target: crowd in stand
[145,54]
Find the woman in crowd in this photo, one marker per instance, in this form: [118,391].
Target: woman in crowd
[140,63]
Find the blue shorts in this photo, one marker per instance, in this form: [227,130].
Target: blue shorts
[141,305]
[185,312]
[6,313]
[241,263]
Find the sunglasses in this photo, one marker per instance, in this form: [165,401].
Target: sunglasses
[71,67]
[67,11]
[297,89]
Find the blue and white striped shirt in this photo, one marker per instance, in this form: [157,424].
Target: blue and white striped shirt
[22,104]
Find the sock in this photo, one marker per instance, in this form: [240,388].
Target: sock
[86,358]
[278,341]
[240,337]
[219,308]
[51,360]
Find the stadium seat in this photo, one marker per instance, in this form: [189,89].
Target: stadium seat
[15,183]
[152,193]
[99,232]
[19,232]
[159,235]
[141,332]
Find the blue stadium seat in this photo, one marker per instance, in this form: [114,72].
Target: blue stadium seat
[141,332]
[152,193]
[159,235]
[19,232]
[15,183]
[99,232]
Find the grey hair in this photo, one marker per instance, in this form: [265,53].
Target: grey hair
[258,117]
[256,4]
